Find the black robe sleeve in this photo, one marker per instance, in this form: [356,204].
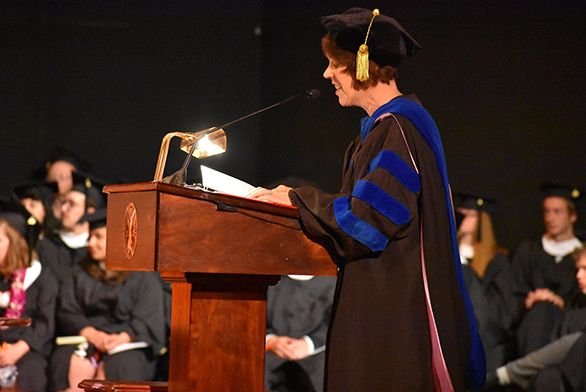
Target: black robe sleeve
[522,271]
[359,221]
[71,316]
[147,322]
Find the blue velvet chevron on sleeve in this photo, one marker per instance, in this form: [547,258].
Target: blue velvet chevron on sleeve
[357,228]
[379,200]
[393,164]
[374,196]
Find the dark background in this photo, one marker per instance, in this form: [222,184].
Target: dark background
[504,81]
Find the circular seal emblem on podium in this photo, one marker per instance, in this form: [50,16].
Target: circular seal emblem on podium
[130,230]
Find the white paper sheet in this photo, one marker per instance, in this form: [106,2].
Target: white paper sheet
[224,183]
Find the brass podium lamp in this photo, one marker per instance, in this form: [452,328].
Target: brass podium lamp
[201,144]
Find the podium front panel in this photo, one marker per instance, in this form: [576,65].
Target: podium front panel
[132,227]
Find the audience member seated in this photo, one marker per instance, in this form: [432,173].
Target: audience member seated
[27,290]
[543,269]
[488,277]
[560,365]
[67,246]
[115,319]
[59,168]
[298,315]
[36,197]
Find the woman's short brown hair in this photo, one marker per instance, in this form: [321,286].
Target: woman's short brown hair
[377,74]
[18,250]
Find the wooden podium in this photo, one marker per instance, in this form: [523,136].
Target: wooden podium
[220,253]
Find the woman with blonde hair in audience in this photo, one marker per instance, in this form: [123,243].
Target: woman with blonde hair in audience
[488,276]
[27,291]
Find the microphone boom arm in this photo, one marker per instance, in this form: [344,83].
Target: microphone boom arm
[179,177]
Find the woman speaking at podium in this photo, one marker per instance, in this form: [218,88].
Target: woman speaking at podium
[402,319]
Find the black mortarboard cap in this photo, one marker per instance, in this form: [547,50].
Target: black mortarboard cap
[388,42]
[61,153]
[479,203]
[474,202]
[20,219]
[571,193]
[37,190]
[91,186]
[97,219]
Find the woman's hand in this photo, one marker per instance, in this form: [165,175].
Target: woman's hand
[116,339]
[95,337]
[103,341]
[540,295]
[287,348]
[12,353]
[279,195]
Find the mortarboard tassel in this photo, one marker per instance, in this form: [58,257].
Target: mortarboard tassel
[362,55]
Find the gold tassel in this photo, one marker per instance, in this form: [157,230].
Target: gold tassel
[362,63]
[362,55]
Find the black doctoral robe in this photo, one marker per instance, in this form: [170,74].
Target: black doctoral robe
[379,336]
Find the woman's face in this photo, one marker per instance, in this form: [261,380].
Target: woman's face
[4,243]
[469,222]
[97,244]
[342,81]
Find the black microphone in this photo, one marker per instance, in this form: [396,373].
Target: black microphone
[310,94]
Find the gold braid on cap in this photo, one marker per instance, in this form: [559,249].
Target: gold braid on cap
[362,55]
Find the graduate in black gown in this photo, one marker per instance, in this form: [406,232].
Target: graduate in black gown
[561,364]
[59,168]
[120,314]
[67,246]
[298,314]
[544,270]
[488,276]
[27,290]
[36,197]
